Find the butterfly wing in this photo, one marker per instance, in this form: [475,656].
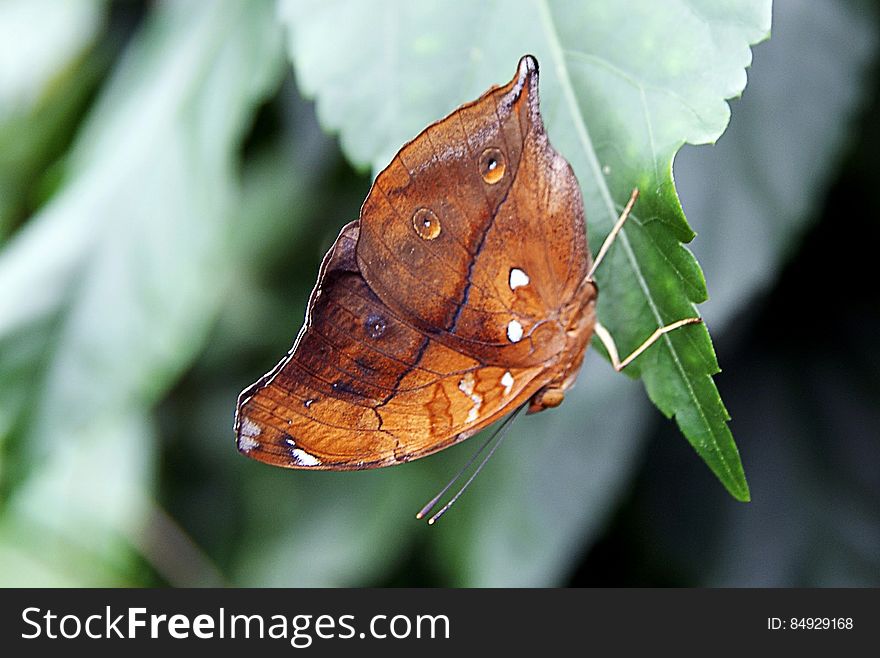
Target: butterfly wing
[475,231]
[457,296]
[361,388]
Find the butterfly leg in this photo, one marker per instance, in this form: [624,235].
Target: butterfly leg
[546,398]
[614,231]
[611,348]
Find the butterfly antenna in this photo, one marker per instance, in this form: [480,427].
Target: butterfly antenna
[497,437]
[433,502]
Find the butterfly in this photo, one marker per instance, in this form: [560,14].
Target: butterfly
[463,292]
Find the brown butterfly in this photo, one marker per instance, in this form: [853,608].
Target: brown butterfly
[464,291]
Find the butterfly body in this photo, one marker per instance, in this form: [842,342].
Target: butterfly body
[461,293]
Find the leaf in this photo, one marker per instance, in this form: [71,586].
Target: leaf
[810,436]
[72,523]
[47,71]
[109,291]
[619,98]
[778,155]
[38,40]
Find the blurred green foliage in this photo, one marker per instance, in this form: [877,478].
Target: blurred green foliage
[166,196]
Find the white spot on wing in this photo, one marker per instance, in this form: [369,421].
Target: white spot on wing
[507,382]
[466,386]
[302,458]
[246,443]
[247,438]
[250,429]
[514,331]
[518,278]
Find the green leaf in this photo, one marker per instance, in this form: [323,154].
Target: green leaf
[780,152]
[623,86]
[49,69]
[110,290]
[74,520]
[38,41]
[809,436]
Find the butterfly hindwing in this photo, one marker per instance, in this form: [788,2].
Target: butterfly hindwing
[361,388]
